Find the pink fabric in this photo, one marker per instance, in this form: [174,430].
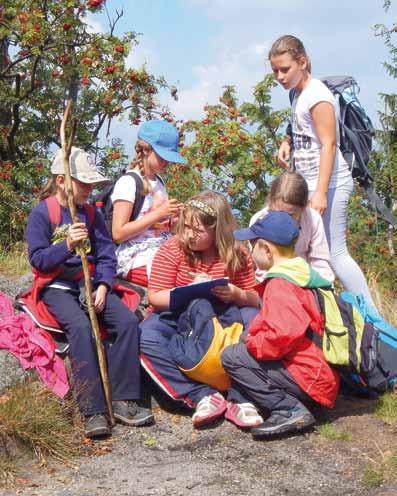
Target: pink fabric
[33,347]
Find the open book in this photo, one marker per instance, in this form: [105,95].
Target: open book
[181,296]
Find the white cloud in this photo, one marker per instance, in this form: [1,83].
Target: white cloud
[145,53]
[94,26]
[336,43]
[242,68]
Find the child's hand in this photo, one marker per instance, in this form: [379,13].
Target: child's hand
[77,232]
[284,153]
[227,294]
[318,202]
[100,298]
[169,208]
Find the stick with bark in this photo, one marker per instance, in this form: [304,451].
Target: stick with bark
[66,148]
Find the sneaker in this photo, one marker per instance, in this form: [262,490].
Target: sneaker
[209,409]
[243,414]
[283,421]
[96,426]
[130,413]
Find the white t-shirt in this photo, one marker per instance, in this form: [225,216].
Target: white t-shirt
[306,144]
[139,250]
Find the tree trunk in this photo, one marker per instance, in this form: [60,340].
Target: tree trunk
[5,111]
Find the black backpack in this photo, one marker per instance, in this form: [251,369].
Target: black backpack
[356,133]
[103,201]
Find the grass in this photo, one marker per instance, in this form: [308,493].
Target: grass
[373,477]
[150,442]
[330,432]
[385,302]
[7,470]
[376,472]
[386,408]
[14,262]
[34,419]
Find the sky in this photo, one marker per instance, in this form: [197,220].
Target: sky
[202,45]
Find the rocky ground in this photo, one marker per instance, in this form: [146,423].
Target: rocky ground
[170,458]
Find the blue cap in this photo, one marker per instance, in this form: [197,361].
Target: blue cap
[163,138]
[277,227]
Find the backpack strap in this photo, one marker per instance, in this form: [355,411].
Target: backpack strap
[139,197]
[54,212]
[378,205]
[160,179]
[314,336]
[291,95]
[90,212]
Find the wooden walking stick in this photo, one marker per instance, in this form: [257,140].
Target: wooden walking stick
[66,148]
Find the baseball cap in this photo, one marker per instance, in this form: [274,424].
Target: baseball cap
[82,166]
[277,227]
[163,138]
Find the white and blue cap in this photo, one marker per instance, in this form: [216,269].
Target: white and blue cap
[163,137]
[277,227]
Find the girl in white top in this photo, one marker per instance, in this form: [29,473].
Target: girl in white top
[139,239]
[289,193]
[316,154]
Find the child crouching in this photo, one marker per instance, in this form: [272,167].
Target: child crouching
[279,367]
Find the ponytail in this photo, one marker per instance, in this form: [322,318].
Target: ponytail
[49,189]
[139,163]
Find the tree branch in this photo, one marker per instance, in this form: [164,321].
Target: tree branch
[33,79]
[113,22]
[15,116]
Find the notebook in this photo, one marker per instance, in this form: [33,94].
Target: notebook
[181,296]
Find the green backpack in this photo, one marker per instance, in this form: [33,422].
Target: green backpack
[348,342]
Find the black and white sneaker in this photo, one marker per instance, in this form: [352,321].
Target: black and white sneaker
[131,414]
[284,421]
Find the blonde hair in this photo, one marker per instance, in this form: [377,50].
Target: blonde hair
[139,163]
[230,251]
[289,187]
[292,45]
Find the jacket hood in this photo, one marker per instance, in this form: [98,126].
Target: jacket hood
[299,272]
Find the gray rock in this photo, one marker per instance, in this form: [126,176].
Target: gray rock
[10,370]
[12,286]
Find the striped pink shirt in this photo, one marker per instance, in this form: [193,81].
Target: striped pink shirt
[171,269]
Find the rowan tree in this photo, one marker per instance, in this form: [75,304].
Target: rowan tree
[234,146]
[48,53]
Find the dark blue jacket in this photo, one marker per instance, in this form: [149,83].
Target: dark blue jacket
[45,256]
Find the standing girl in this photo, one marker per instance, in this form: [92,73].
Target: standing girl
[316,154]
[203,247]
[289,193]
[139,238]
[52,255]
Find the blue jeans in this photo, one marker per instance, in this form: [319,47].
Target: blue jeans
[121,348]
[156,359]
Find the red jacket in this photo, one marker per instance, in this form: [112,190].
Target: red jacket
[278,332]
